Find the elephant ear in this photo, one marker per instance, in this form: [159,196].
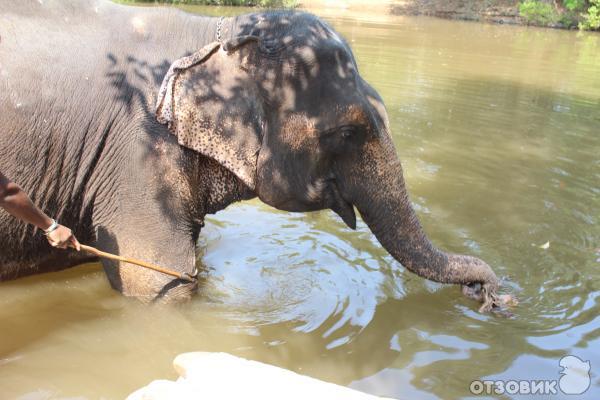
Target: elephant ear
[211,103]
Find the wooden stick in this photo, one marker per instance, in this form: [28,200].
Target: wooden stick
[110,256]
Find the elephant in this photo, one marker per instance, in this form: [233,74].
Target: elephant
[131,124]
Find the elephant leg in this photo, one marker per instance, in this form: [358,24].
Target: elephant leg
[148,210]
[149,216]
[154,243]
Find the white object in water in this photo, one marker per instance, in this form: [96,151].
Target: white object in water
[220,376]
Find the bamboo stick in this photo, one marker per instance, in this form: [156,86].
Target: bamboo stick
[144,264]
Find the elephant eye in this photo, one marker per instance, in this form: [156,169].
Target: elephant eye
[347,132]
[342,138]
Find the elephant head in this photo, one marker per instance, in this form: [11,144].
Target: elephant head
[283,107]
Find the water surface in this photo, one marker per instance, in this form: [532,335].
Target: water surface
[498,129]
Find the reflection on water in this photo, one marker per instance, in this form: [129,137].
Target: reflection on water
[498,131]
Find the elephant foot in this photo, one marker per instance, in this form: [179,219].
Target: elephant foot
[490,300]
[178,291]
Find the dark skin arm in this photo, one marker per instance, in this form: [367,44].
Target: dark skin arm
[17,203]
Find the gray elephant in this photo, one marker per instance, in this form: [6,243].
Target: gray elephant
[131,124]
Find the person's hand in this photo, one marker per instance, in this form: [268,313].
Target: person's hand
[62,237]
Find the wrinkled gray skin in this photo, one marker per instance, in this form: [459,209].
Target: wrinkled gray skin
[279,111]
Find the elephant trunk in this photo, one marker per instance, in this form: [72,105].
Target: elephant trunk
[388,213]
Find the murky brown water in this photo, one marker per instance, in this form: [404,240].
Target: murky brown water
[499,131]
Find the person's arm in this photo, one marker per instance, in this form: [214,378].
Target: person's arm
[16,202]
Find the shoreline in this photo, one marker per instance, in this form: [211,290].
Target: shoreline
[538,13]
[495,11]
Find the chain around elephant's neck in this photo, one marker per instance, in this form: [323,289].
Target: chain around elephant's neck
[219,26]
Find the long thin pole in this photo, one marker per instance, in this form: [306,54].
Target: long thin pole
[144,264]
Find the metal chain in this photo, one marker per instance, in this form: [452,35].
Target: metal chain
[219,25]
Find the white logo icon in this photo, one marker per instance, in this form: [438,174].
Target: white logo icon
[575,375]
[574,379]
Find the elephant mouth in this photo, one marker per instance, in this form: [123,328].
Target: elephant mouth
[342,207]
[323,194]
[293,205]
